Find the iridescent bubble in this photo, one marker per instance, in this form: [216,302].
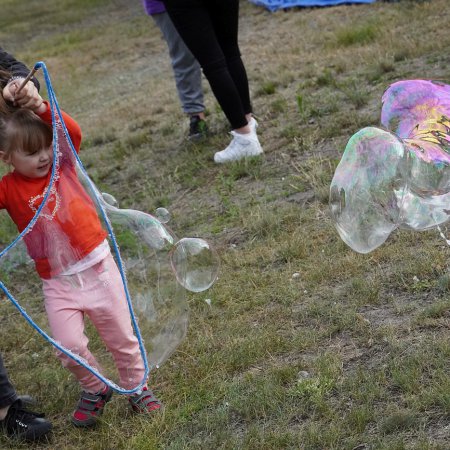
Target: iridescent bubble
[397,178]
[409,103]
[110,200]
[428,166]
[422,213]
[363,201]
[195,264]
[163,215]
[418,112]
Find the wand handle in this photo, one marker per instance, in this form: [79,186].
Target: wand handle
[27,79]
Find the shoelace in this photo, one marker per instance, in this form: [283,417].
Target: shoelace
[21,416]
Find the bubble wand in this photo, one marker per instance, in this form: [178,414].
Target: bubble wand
[28,78]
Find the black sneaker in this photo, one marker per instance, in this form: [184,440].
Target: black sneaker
[27,400]
[22,424]
[197,128]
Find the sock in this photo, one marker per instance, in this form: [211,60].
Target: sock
[4,412]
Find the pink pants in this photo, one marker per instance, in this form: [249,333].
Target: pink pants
[97,292]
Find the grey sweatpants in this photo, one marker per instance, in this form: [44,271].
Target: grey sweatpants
[187,71]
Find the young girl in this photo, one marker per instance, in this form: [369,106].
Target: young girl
[71,255]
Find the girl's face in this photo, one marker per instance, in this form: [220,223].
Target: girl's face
[32,165]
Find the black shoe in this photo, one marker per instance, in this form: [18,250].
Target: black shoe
[197,128]
[22,424]
[27,400]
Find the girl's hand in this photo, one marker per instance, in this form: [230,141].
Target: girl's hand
[28,97]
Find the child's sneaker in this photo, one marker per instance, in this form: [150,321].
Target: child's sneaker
[242,145]
[22,424]
[90,407]
[144,402]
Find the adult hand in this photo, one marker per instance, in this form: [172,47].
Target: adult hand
[28,97]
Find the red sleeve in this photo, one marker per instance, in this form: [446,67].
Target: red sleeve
[2,193]
[72,126]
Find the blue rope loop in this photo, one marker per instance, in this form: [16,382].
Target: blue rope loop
[55,107]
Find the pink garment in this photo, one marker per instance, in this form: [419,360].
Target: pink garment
[97,292]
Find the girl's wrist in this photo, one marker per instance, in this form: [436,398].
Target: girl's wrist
[41,108]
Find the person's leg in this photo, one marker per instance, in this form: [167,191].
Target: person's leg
[64,298]
[225,19]
[15,420]
[108,311]
[7,392]
[66,320]
[187,71]
[194,24]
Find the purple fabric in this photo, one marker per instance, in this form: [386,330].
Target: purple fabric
[153,7]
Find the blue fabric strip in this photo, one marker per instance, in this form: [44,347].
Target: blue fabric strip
[273,5]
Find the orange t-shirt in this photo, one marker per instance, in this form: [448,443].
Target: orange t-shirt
[68,227]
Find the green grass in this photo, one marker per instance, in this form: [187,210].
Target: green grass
[301,343]
[362,34]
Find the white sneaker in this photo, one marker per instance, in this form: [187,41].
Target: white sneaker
[241,146]
[253,124]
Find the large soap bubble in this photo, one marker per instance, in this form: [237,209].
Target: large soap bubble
[399,177]
[195,264]
[418,112]
[411,104]
[156,268]
[363,195]
[156,284]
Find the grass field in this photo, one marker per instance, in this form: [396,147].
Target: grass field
[351,352]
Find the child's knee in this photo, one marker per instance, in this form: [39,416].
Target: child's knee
[66,360]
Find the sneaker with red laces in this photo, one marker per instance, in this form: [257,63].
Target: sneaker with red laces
[144,402]
[90,407]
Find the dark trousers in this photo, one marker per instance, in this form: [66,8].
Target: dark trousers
[7,393]
[209,29]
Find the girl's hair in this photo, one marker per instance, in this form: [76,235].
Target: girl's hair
[23,130]
[5,107]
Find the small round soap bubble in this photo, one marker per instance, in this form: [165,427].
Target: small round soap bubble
[163,215]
